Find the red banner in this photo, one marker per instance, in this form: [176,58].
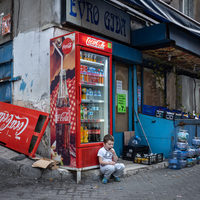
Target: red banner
[21,129]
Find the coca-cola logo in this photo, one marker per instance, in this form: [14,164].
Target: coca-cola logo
[95,43]
[13,122]
[64,117]
[67,46]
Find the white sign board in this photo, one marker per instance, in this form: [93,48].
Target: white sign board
[100,17]
[119,87]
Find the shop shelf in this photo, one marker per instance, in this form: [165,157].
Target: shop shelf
[97,64]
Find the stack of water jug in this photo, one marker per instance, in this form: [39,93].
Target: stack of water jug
[184,155]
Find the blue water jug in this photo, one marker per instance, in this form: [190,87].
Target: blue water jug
[135,141]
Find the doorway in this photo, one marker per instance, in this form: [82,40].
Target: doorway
[123,97]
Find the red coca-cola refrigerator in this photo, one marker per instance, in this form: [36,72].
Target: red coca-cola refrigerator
[80,98]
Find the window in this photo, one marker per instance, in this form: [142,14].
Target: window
[187,7]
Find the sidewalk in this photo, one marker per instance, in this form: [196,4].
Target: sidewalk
[17,163]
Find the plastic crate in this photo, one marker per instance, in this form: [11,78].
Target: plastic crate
[159,157]
[128,151]
[144,159]
[149,110]
[169,115]
[159,113]
[185,116]
[142,148]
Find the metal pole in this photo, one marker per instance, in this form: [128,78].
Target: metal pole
[143,131]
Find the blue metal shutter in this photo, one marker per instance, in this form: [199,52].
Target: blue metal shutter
[6,72]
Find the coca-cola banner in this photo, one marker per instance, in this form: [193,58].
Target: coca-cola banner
[18,127]
[62,100]
[93,42]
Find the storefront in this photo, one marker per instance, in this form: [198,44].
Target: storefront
[178,50]
[133,54]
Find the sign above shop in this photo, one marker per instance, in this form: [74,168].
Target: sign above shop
[98,16]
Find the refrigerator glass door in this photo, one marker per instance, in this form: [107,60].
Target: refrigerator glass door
[94,78]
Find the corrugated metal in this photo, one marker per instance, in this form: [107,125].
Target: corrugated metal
[6,72]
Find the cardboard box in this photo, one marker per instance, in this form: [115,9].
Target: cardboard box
[46,163]
[127,136]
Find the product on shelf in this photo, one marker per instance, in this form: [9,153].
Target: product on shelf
[82,134]
[99,95]
[83,93]
[90,112]
[85,135]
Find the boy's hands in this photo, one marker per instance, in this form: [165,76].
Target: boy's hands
[112,163]
[112,151]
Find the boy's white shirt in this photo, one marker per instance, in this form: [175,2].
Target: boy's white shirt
[106,155]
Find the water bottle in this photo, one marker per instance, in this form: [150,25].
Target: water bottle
[90,94]
[90,113]
[93,109]
[96,116]
[87,94]
[99,95]
[135,141]
[95,95]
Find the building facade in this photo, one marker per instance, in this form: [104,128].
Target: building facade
[25,50]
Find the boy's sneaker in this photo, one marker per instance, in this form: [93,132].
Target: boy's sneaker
[117,179]
[105,180]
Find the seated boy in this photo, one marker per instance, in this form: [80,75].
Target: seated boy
[108,166]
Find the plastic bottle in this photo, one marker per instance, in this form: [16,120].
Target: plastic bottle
[99,95]
[102,77]
[93,109]
[95,95]
[81,111]
[87,94]
[91,75]
[89,132]
[135,141]
[90,113]
[85,132]
[94,132]
[82,133]
[96,114]
[83,93]
[85,113]
[90,94]
[97,132]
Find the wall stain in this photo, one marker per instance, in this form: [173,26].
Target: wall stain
[31,83]
[26,74]
[22,85]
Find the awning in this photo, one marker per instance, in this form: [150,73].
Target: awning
[165,13]
[170,43]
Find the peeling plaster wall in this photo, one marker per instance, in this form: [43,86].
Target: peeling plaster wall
[32,63]
[35,23]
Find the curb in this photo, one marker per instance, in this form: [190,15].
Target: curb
[64,174]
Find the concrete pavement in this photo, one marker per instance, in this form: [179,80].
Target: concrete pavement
[157,184]
[20,164]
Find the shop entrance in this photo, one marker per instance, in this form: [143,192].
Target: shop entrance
[122,109]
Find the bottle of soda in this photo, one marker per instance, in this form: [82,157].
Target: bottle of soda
[85,135]
[82,132]
[98,132]
[63,120]
[89,133]
[93,133]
